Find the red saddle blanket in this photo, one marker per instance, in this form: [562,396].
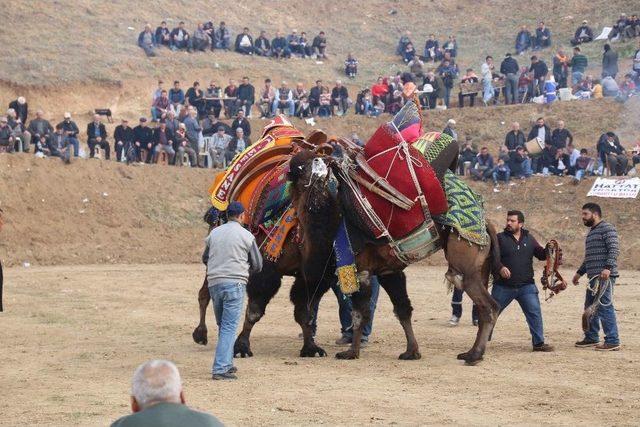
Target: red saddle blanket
[386,153]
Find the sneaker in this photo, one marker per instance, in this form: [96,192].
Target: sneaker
[546,348]
[233,370]
[476,322]
[454,321]
[343,340]
[607,347]
[225,376]
[586,343]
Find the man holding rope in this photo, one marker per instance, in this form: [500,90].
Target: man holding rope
[600,265]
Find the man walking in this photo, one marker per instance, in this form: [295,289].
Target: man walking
[231,254]
[600,265]
[517,249]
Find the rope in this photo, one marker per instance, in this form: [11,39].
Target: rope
[599,287]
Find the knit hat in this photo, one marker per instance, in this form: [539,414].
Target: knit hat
[235,209]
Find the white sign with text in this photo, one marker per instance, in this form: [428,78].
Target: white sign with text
[616,188]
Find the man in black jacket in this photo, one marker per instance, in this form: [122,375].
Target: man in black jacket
[542,131]
[243,123]
[246,96]
[314,97]
[612,154]
[262,45]
[319,45]
[142,140]
[509,67]
[97,135]
[583,34]
[514,138]
[123,140]
[71,131]
[21,108]
[515,281]
[163,35]
[540,71]
[163,141]
[244,42]
[340,98]
[561,137]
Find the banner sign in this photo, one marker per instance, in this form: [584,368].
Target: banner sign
[615,188]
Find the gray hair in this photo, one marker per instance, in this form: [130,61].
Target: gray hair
[156,381]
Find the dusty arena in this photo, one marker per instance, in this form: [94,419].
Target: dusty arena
[71,337]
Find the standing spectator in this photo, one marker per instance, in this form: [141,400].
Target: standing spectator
[142,141]
[147,41]
[543,37]
[21,136]
[523,40]
[160,106]
[469,77]
[432,49]
[487,80]
[561,68]
[293,41]
[195,98]
[509,68]
[319,45]
[180,38]
[244,42]
[283,100]
[579,64]
[157,399]
[405,39]
[21,108]
[163,35]
[201,39]
[222,37]
[561,137]
[583,34]
[176,98]
[218,146]
[40,129]
[262,46]
[484,165]
[280,47]
[540,71]
[213,95]
[514,138]
[433,88]
[540,130]
[267,96]
[515,281]
[340,99]
[231,254]
[163,141]
[237,145]
[97,135]
[600,265]
[246,96]
[613,154]
[123,138]
[351,66]
[193,130]
[171,121]
[448,73]
[71,132]
[243,123]
[609,62]
[314,97]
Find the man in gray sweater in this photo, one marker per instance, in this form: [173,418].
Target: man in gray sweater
[600,265]
[231,254]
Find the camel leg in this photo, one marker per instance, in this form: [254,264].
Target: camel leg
[261,288]
[476,287]
[360,315]
[395,285]
[200,332]
[304,300]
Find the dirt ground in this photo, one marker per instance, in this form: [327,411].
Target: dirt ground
[72,336]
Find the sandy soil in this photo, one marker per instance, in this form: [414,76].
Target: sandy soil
[71,337]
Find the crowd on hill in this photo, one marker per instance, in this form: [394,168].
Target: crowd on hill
[208,36]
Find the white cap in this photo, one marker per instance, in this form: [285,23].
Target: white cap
[451,122]
[67,115]
[21,100]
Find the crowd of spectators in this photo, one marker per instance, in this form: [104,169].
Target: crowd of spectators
[208,36]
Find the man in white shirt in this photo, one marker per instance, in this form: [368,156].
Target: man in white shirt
[487,80]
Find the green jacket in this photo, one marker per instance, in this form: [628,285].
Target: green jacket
[166,415]
[579,63]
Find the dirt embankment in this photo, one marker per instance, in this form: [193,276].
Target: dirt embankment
[95,211]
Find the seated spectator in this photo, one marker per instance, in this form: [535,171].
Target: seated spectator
[213,96]
[40,130]
[546,161]
[583,162]
[147,41]
[156,93]
[560,165]
[244,42]
[432,49]
[246,97]
[636,154]
[237,145]
[21,109]
[597,91]
[142,142]
[97,136]
[633,26]
[619,30]
[210,30]
[301,102]
[218,147]
[340,99]
[163,35]
[450,129]
[325,107]
[243,123]
[379,90]
[71,131]
[579,64]
[123,140]
[609,62]
[432,88]
[561,137]
[59,145]
[628,87]
[514,138]
[262,46]
[180,38]
[230,99]
[451,46]
[293,42]
[467,158]
[280,47]
[612,154]
[305,46]
[176,98]
[171,121]
[469,77]
[6,138]
[520,163]
[573,154]
[543,37]
[222,37]
[524,85]
[409,53]
[163,141]
[523,40]
[501,172]
[201,39]
[195,98]
[319,46]
[157,399]
[182,147]
[351,66]
[405,39]
[610,87]
[21,136]
[483,168]
[416,67]
[583,34]
[540,71]
[211,124]
[267,96]
[283,100]
[314,97]
[160,106]
[561,63]
[363,104]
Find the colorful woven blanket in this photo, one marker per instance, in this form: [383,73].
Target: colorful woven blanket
[466,211]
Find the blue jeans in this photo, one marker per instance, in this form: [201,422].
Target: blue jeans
[527,297]
[503,175]
[606,315]
[291,106]
[76,145]
[227,301]
[576,77]
[447,95]
[456,305]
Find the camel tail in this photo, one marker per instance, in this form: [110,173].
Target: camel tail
[495,249]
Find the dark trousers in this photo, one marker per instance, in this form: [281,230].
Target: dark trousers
[102,144]
[471,96]
[456,305]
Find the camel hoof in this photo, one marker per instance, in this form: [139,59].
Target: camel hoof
[410,355]
[463,356]
[312,350]
[347,355]
[242,348]
[200,335]
[473,361]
